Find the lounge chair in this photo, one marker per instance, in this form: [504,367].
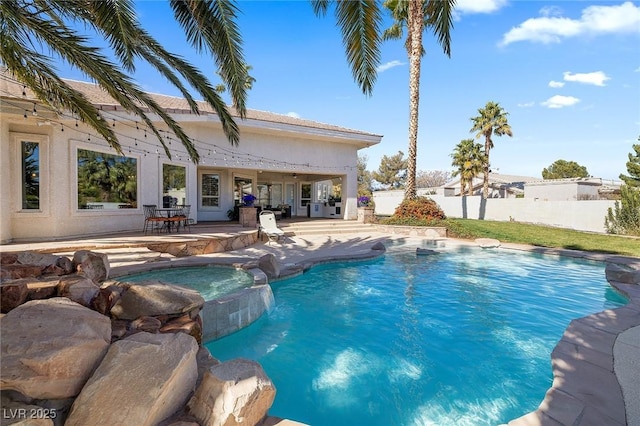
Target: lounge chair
[268,226]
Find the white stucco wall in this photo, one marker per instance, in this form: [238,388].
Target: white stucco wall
[586,215]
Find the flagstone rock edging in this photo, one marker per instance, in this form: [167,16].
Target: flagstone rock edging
[586,388]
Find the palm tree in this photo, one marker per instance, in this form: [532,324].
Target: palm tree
[491,120]
[30,27]
[417,15]
[469,160]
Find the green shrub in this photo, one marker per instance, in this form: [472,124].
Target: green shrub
[624,218]
[420,209]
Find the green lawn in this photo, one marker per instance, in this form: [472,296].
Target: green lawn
[543,236]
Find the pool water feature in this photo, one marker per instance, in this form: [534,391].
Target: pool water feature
[211,282]
[460,338]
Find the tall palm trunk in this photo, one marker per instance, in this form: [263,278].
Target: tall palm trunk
[485,167]
[415,26]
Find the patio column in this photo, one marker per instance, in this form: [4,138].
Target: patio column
[350,194]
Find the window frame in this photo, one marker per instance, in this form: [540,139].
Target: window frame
[201,197]
[44,174]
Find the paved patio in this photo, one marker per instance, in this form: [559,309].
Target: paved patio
[596,364]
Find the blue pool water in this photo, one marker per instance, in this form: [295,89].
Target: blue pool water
[210,281]
[460,338]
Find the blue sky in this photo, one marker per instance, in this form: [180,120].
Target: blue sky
[568,73]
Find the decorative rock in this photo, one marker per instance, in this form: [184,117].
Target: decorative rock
[622,273]
[8,258]
[66,264]
[118,329]
[184,324]
[236,392]
[43,289]
[50,347]
[155,298]
[35,258]
[269,266]
[421,251]
[205,362]
[148,324]
[17,271]
[78,288]
[13,294]
[94,266]
[106,298]
[143,379]
[378,247]
[487,242]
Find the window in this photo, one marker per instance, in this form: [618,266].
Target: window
[305,194]
[174,185]
[106,181]
[210,190]
[30,158]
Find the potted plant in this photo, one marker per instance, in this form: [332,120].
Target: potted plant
[365,210]
[248,216]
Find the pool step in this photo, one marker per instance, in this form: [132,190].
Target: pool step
[327,227]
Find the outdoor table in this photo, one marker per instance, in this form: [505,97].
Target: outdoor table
[171,212]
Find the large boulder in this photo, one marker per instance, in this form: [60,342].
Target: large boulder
[269,266]
[94,266]
[78,288]
[50,347]
[157,298]
[143,379]
[236,392]
[625,274]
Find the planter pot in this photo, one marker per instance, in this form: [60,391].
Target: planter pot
[248,217]
[366,215]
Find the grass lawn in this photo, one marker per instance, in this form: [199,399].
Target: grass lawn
[543,236]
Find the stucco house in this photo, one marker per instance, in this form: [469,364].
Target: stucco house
[500,185]
[572,189]
[59,179]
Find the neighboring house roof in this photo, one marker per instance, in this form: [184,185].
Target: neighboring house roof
[495,178]
[11,88]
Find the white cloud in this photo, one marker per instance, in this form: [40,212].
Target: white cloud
[293,114]
[551,11]
[479,6]
[596,78]
[559,101]
[389,65]
[526,104]
[556,84]
[595,20]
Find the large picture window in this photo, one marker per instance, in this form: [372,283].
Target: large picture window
[30,155]
[106,181]
[210,190]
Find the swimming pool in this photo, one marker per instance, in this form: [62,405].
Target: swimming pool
[210,281]
[461,338]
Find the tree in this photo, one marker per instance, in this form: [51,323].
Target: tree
[432,178]
[633,168]
[469,160]
[365,181]
[561,169]
[30,27]
[392,172]
[417,15]
[491,120]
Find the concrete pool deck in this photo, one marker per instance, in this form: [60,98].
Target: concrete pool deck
[596,364]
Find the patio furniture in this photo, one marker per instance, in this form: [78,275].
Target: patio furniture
[172,217]
[152,218]
[185,221]
[269,227]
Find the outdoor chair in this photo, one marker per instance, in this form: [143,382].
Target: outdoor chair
[184,216]
[152,219]
[268,226]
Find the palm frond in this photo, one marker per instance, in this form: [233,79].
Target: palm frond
[439,17]
[359,22]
